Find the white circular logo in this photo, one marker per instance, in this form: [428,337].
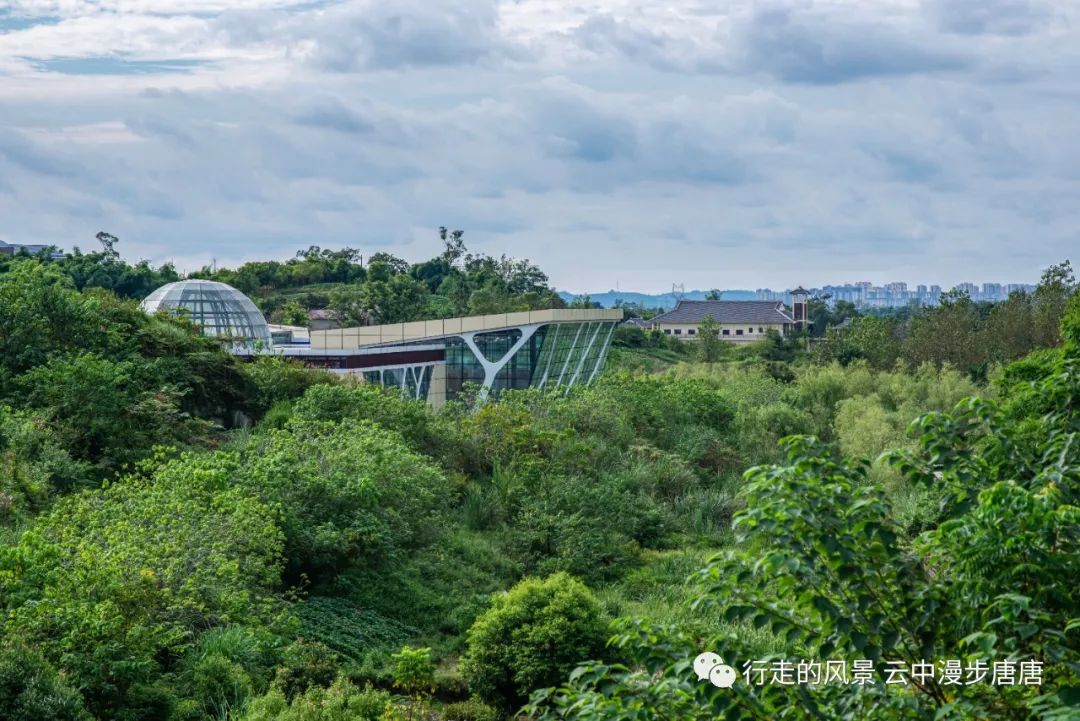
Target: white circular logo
[710,666]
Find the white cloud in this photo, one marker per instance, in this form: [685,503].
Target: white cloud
[631,141]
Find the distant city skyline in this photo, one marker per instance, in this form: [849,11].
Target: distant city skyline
[898,293]
[863,294]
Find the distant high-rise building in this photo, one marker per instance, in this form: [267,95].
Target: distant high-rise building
[895,294]
[16,248]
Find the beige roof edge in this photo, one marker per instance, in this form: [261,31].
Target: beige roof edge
[419,330]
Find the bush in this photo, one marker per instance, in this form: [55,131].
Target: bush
[305,665]
[116,583]
[32,690]
[532,637]
[348,492]
[414,671]
[471,710]
[276,379]
[342,701]
[450,684]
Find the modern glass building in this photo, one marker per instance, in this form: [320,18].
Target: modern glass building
[436,360]
[220,310]
[431,360]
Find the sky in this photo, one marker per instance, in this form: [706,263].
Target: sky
[616,143]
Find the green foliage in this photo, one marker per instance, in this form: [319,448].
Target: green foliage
[628,336]
[277,380]
[710,347]
[107,412]
[875,339]
[345,492]
[960,333]
[413,671]
[533,636]
[32,690]
[112,380]
[33,465]
[109,585]
[341,701]
[471,710]
[350,631]
[305,665]
[823,562]
[336,403]
[154,565]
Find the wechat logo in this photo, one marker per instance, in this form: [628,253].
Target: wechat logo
[710,666]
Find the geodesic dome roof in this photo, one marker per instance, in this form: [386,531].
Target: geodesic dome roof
[219,309]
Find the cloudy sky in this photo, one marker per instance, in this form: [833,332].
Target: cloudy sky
[716,143]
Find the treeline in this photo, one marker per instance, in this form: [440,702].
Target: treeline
[389,289]
[964,334]
[384,289]
[972,337]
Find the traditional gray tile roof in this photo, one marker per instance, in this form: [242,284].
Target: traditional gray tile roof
[727,311]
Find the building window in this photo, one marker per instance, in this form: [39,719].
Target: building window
[691,332]
[738,331]
[726,331]
[667,331]
[678,331]
[760,330]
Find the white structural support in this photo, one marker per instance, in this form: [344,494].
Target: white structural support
[572,370]
[603,354]
[414,371]
[584,355]
[550,355]
[492,368]
[569,355]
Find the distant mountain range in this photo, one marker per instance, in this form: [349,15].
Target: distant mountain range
[658,300]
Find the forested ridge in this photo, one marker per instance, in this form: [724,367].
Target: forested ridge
[185,536]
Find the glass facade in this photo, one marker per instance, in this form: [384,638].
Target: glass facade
[414,381]
[553,355]
[220,310]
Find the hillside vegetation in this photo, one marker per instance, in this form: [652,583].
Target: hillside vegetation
[187,537]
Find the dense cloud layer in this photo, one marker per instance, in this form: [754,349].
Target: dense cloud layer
[639,142]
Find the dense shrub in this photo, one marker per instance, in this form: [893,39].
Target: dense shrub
[471,710]
[110,584]
[341,701]
[32,690]
[346,492]
[532,636]
[276,379]
[33,466]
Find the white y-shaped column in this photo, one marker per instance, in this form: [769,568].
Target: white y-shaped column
[491,369]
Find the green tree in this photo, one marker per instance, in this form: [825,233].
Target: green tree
[292,313]
[946,334]
[342,701]
[32,690]
[532,636]
[414,673]
[1055,288]
[874,339]
[111,585]
[825,566]
[709,343]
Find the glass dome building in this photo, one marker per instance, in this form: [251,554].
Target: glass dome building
[219,309]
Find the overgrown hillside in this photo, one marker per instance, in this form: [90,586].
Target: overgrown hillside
[186,537]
